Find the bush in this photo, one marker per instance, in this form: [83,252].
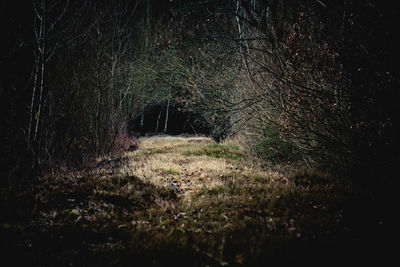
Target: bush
[276,149]
[124,142]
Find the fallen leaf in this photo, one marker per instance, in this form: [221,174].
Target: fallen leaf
[239,258]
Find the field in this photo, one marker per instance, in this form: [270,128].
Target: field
[188,201]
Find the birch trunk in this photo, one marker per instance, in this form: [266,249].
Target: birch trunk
[158,119]
[167,112]
[31,112]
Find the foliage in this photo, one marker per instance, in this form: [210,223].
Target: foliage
[273,148]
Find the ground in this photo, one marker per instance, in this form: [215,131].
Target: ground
[189,201]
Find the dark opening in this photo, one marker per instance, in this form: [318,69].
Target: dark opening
[179,121]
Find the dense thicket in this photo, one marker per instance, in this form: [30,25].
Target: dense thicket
[310,81]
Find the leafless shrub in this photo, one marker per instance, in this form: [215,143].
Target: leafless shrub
[125,142]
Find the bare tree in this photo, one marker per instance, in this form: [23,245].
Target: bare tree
[47,16]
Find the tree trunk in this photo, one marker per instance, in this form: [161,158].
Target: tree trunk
[142,117]
[31,112]
[158,119]
[166,115]
[38,115]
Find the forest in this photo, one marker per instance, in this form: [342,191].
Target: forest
[198,132]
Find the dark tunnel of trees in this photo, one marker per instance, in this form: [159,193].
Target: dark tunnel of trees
[299,99]
[318,79]
[174,123]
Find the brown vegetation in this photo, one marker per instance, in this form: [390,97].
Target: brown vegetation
[297,102]
[160,204]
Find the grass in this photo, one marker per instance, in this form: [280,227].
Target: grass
[227,212]
[218,151]
[171,171]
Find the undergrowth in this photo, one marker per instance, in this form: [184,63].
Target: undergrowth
[107,218]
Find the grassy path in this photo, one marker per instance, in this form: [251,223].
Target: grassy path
[184,201]
[190,164]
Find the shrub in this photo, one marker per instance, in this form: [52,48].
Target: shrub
[124,142]
[276,149]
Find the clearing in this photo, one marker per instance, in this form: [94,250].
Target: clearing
[188,201]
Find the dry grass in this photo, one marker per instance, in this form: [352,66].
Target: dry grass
[187,201]
[187,163]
